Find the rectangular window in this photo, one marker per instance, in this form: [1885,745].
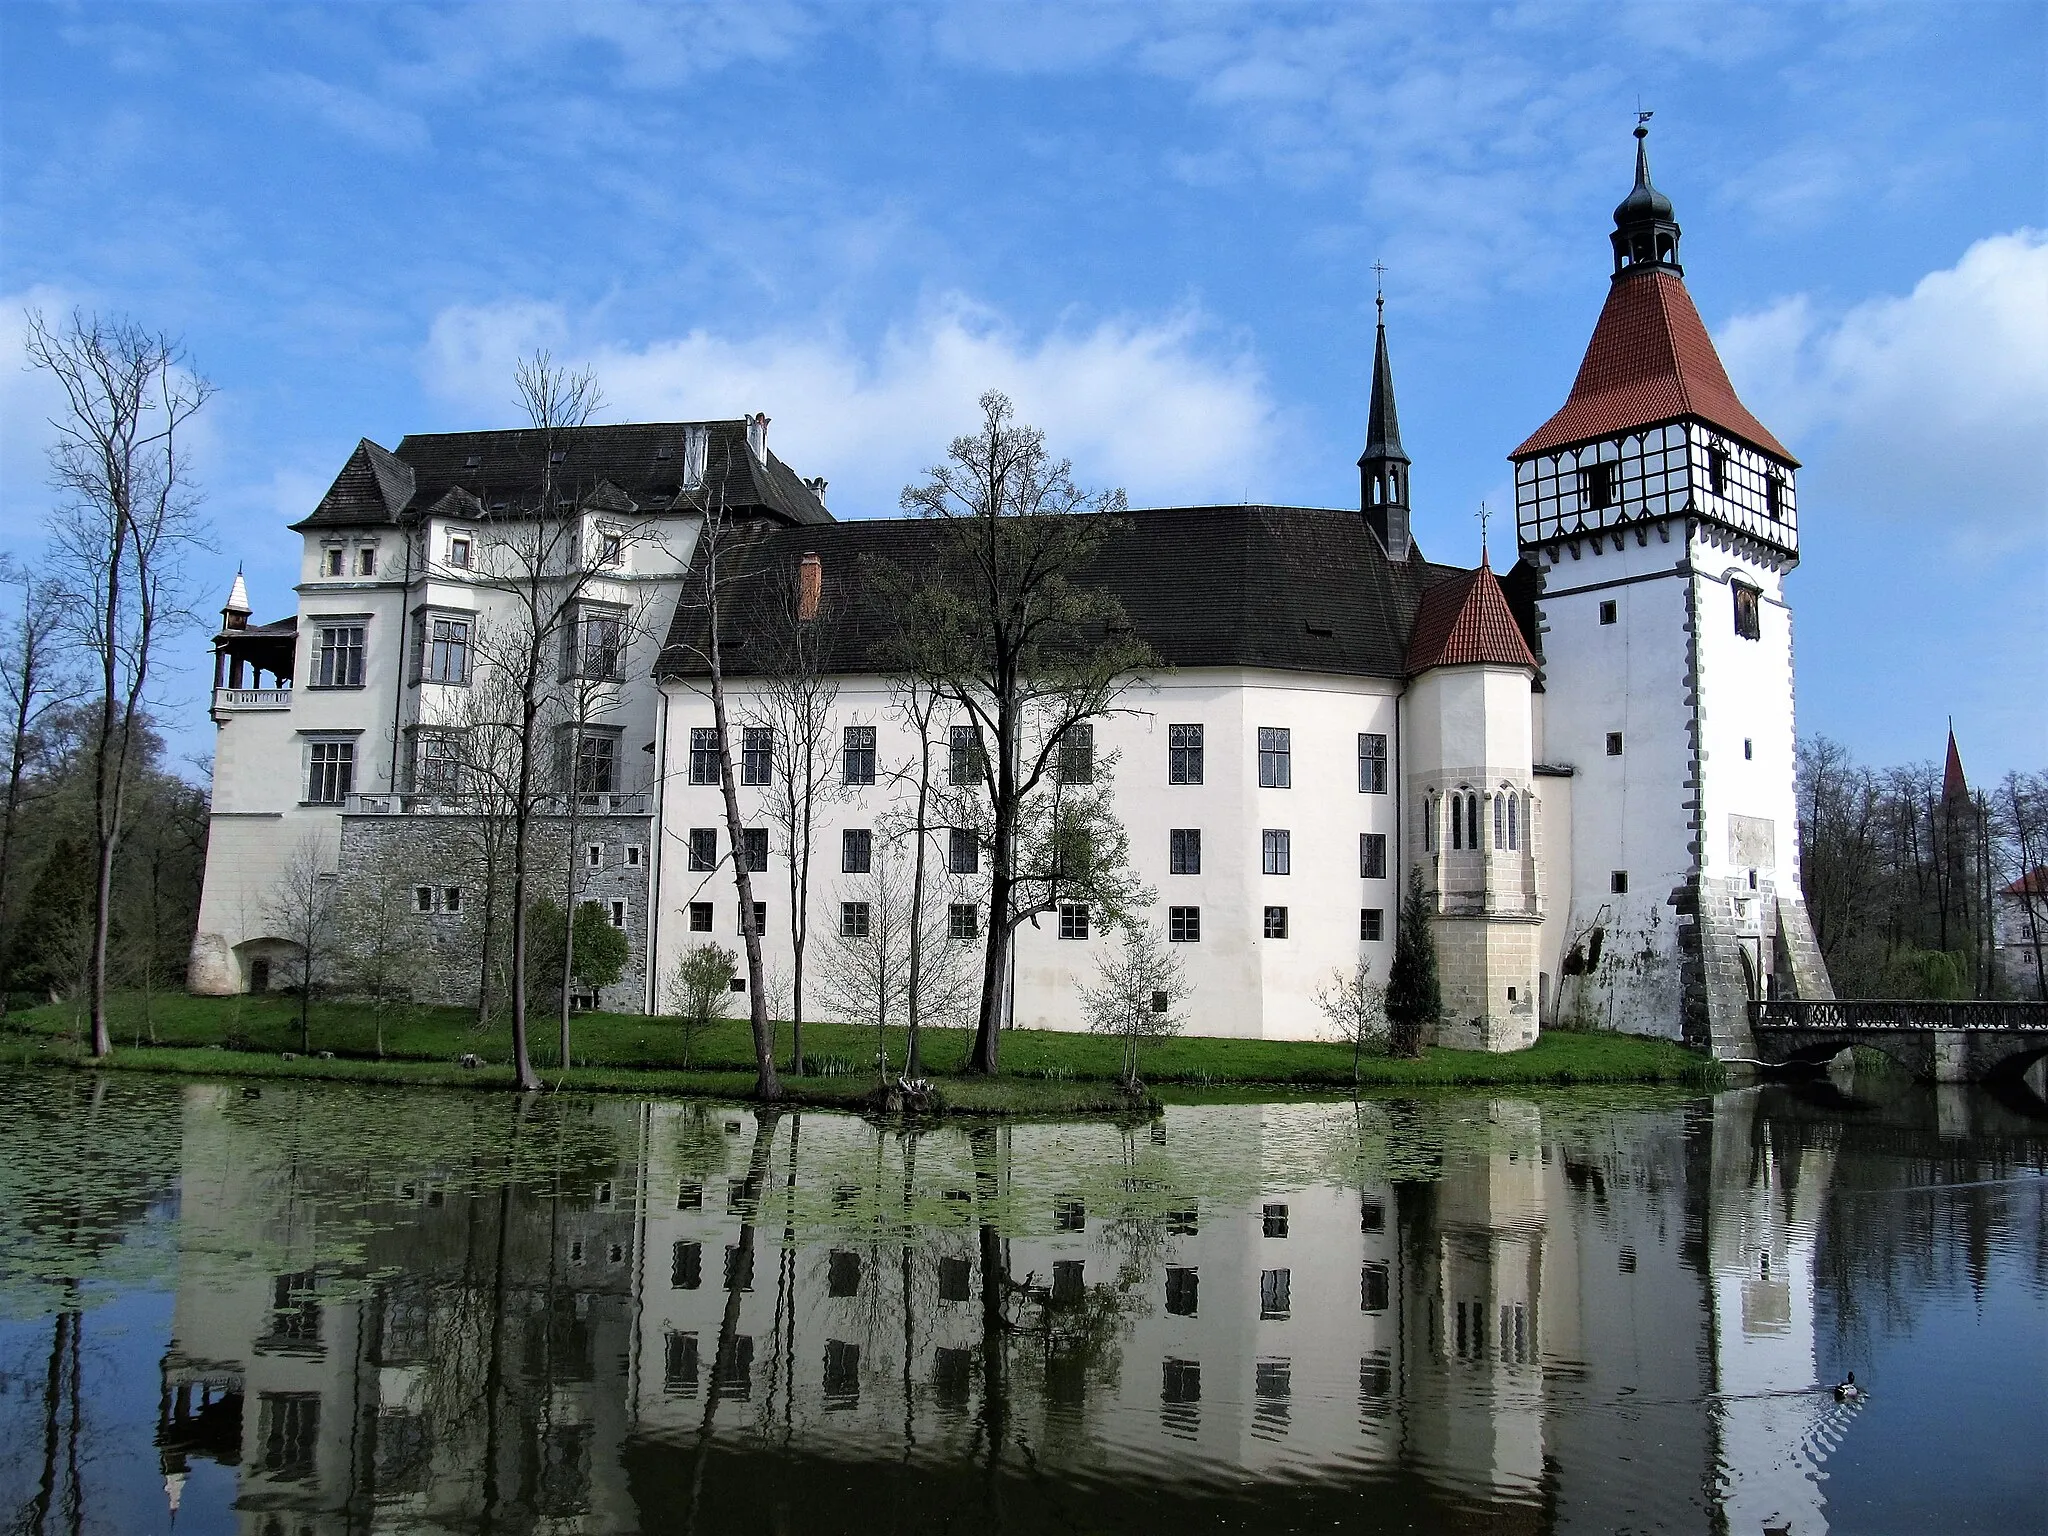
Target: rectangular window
[1073,920]
[1184,851]
[423,898]
[856,850]
[1614,743]
[1774,496]
[366,562]
[1372,763]
[331,773]
[964,763]
[446,650]
[1276,922]
[760,925]
[859,754]
[616,911]
[592,643]
[703,849]
[634,853]
[1608,613]
[1717,468]
[1597,483]
[338,659]
[1183,754]
[1184,925]
[1183,1290]
[335,557]
[597,764]
[963,851]
[593,856]
[853,919]
[611,549]
[1077,754]
[1274,1286]
[686,1267]
[700,917]
[1372,924]
[451,898]
[1748,612]
[1276,851]
[1372,855]
[703,754]
[1372,1288]
[458,552]
[436,764]
[963,920]
[754,844]
[1274,1220]
[1276,757]
[1617,882]
[757,754]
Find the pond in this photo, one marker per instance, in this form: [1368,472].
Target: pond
[304,1310]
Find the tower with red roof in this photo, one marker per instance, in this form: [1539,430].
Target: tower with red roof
[1657,521]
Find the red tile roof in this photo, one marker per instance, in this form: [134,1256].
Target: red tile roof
[2033,883]
[1466,620]
[1650,361]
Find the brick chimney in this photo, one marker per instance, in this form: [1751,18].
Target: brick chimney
[757,436]
[810,585]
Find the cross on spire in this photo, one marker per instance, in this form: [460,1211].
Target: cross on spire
[1379,287]
[1484,515]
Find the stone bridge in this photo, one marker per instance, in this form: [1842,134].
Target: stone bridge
[1936,1042]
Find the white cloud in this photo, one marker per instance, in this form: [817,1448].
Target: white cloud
[1931,407]
[1156,406]
[349,112]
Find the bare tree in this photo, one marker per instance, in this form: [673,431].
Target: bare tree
[32,684]
[2026,805]
[1029,649]
[301,910]
[1138,994]
[920,702]
[127,519]
[793,703]
[1355,1007]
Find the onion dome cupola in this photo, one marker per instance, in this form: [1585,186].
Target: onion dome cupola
[1383,467]
[1645,232]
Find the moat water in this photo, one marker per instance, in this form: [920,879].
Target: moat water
[307,1311]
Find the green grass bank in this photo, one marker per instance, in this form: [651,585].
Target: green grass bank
[1045,1072]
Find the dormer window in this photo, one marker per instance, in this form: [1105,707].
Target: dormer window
[471,462]
[1597,485]
[558,455]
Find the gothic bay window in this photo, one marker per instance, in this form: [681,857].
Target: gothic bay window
[1372,855]
[703,754]
[1077,754]
[964,762]
[1597,485]
[1748,612]
[754,846]
[1507,821]
[757,754]
[338,656]
[330,772]
[856,850]
[1183,754]
[1276,757]
[1184,851]
[963,851]
[1276,851]
[1465,820]
[444,649]
[1372,763]
[703,850]
[858,753]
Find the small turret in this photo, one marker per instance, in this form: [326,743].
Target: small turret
[1383,467]
[234,613]
[1645,232]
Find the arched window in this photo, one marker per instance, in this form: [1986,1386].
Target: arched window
[1500,821]
[1429,826]
[1514,818]
[1472,820]
[1457,821]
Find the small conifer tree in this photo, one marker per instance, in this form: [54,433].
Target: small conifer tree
[1414,997]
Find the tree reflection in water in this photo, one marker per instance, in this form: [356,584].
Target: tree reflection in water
[1562,1312]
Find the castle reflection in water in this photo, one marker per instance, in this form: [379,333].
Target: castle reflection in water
[609,1316]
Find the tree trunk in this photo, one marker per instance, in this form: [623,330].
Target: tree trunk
[987,1056]
[766,1085]
[913,1050]
[523,1076]
[569,894]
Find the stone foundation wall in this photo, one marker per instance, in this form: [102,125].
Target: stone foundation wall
[1478,960]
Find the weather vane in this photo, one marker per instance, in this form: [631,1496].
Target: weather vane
[1379,286]
[1484,515]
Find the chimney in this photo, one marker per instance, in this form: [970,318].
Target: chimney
[757,436]
[810,585]
[817,489]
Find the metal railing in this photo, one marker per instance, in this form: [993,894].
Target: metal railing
[1886,1013]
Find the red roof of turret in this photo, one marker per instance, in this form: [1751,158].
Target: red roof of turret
[1650,361]
[1465,621]
[1952,781]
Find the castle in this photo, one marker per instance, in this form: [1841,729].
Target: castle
[1589,760]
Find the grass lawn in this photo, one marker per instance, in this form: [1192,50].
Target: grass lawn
[1045,1071]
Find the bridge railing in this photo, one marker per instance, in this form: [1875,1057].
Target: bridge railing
[1883,1013]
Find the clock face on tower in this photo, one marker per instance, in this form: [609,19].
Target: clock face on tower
[1681,468]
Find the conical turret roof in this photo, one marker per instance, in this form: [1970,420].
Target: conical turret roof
[1466,621]
[238,596]
[1383,425]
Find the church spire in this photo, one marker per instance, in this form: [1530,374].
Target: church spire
[1383,467]
[1645,232]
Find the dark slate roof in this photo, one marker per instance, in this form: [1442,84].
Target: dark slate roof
[1293,588]
[1382,425]
[1465,621]
[620,464]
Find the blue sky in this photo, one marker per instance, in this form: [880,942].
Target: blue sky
[1154,225]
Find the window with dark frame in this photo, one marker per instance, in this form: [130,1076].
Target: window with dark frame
[597,763]
[1372,924]
[1073,920]
[963,920]
[446,650]
[593,643]
[760,927]
[703,754]
[858,754]
[1748,612]
[458,552]
[853,919]
[1274,1286]
[1372,763]
[1774,496]
[963,851]
[1717,469]
[1372,855]
[1617,882]
[703,849]
[335,557]
[700,917]
[1276,757]
[1184,851]
[331,772]
[1614,743]
[338,656]
[757,754]
[1184,925]
[1597,484]
[1276,851]
[1276,922]
[964,762]
[436,763]
[1184,754]
[856,850]
[1608,612]
[754,845]
[1077,754]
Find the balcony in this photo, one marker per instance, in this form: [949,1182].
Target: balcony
[639,804]
[241,701]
